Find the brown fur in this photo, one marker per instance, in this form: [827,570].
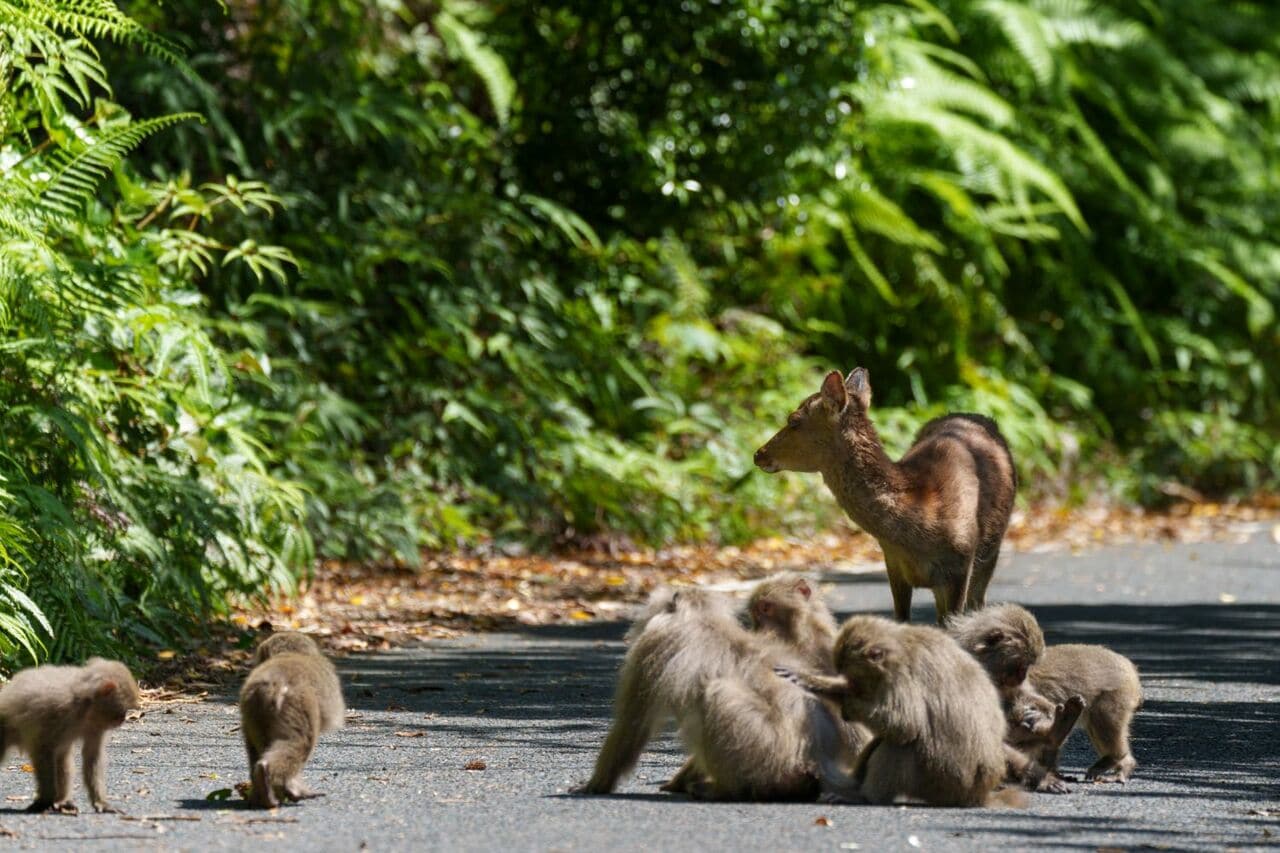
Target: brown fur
[45,710]
[751,735]
[1108,683]
[938,726]
[939,513]
[289,699]
[1006,639]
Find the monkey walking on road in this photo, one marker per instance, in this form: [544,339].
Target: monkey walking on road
[290,698]
[45,710]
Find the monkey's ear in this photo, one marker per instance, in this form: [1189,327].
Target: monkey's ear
[859,387]
[106,688]
[833,391]
[994,637]
[802,587]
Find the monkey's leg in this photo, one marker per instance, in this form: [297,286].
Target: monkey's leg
[900,588]
[1108,730]
[635,716]
[280,763]
[685,776]
[890,774]
[44,759]
[295,789]
[750,746]
[93,758]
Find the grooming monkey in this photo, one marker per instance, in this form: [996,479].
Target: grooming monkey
[936,718]
[46,709]
[1108,683]
[751,735]
[290,698]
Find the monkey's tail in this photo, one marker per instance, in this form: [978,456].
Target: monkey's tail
[1007,798]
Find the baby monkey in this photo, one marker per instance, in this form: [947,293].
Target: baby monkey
[936,718]
[1006,639]
[787,607]
[1108,683]
[46,709]
[290,698]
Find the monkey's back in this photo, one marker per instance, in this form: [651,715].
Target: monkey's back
[1090,671]
[953,731]
[290,696]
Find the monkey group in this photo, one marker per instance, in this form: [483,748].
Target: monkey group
[775,702]
[291,696]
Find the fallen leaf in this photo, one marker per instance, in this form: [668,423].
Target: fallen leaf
[27,768]
[475,765]
[357,600]
[823,820]
[580,615]
[411,734]
[219,795]
[166,654]
[1226,598]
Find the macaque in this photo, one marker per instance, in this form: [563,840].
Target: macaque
[935,716]
[46,709]
[290,698]
[787,607]
[1109,686]
[1006,639]
[751,735]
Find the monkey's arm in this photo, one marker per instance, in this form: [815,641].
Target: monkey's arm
[684,779]
[827,686]
[1065,720]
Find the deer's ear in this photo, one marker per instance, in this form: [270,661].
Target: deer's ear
[859,387]
[833,391]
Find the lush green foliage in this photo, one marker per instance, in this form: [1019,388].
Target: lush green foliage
[135,487]
[562,265]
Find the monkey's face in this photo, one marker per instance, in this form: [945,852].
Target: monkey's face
[1007,655]
[867,659]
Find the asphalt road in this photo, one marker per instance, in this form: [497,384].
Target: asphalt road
[1201,621]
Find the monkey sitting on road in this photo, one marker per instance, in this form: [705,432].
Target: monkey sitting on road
[46,709]
[290,698]
[936,718]
[751,736]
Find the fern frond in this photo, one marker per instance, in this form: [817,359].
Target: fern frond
[77,175]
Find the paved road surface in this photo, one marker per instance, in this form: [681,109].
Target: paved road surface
[1201,621]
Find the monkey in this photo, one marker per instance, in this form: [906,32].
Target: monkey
[46,709]
[1006,639]
[786,607]
[290,698]
[1111,691]
[936,718]
[751,735]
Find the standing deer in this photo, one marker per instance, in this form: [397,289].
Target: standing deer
[939,513]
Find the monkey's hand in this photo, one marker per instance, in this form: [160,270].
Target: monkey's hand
[1052,783]
[103,807]
[826,686]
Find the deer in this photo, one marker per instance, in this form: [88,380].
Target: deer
[939,513]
